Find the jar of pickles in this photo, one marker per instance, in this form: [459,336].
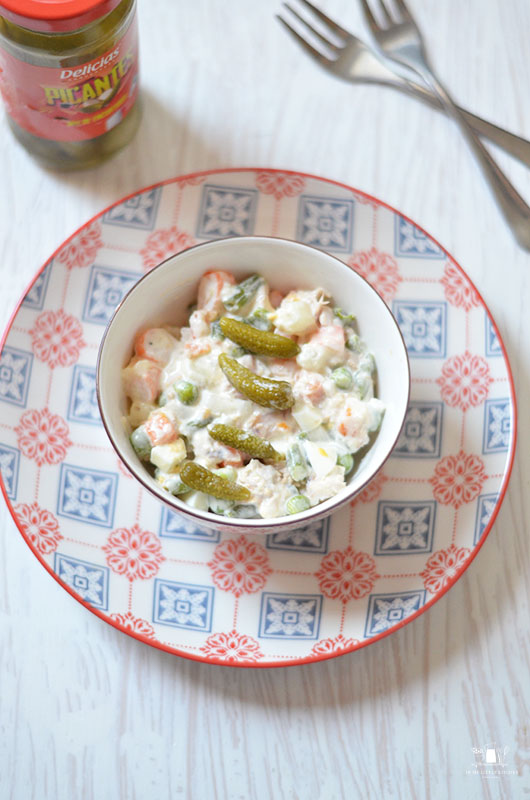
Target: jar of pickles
[69,77]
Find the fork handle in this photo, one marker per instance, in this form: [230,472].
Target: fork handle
[516,212]
[512,144]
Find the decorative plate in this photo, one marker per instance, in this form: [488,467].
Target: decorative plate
[322,590]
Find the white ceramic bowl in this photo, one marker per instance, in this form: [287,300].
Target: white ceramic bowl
[163,295]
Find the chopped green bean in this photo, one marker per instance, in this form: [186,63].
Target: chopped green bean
[346,318]
[203,480]
[345,460]
[297,503]
[260,319]
[342,378]
[187,392]
[199,423]
[263,391]
[248,443]
[362,383]
[238,352]
[367,363]
[297,463]
[171,482]
[245,511]
[215,330]
[243,293]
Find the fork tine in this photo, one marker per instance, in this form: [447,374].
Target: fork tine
[311,51]
[333,26]
[369,17]
[407,16]
[330,45]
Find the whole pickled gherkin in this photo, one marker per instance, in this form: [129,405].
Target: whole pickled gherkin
[263,391]
[203,480]
[248,443]
[263,343]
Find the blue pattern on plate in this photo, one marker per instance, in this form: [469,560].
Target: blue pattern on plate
[493,345]
[87,495]
[423,325]
[497,425]
[183,605]
[421,436]
[15,373]
[89,581]
[411,242]
[136,212]
[485,507]
[35,296]
[175,526]
[9,463]
[326,222]
[289,616]
[83,404]
[404,528]
[106,288]
[312,538]
[226,212]
[386,610]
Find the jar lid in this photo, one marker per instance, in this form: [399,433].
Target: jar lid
[55,16]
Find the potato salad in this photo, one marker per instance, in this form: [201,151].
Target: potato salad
[261,406]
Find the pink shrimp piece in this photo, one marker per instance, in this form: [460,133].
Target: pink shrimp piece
[231,458]
[198,325]
[330,336]
[310,387]
[209,295]
[141,380]
[155,344]
[160,429]
[198,347]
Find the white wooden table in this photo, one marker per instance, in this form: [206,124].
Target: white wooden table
[86,712]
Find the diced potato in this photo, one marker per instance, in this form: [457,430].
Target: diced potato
[307,417]
[295,316]
[139,412]
[167,457]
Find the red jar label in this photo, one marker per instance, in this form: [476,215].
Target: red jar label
[72,104]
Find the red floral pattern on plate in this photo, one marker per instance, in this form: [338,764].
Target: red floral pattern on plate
[57,338]
[232,647]
[163,243]
[366,201]
[457,289]
[336,645]
[280,184]
[43,436]
[465,381]
[82,249]
[442,567]
[40,526]
[380,270]
[458,479]
[372,490]
[346,575]
[240,566]
[134,624]
[134,553]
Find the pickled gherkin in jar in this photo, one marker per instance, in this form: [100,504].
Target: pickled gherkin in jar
[73,80]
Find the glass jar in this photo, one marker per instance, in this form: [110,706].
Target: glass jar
[69,77]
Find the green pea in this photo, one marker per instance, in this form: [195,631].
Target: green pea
[342,378]
[141,443]
[354,342]
[297,503]
[171,483]
[345,460]
[187,392]
[367,363]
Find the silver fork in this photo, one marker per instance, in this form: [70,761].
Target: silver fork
[400,40]
[349,58]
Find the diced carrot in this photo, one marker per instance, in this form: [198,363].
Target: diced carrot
[160,429]
[198,347]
